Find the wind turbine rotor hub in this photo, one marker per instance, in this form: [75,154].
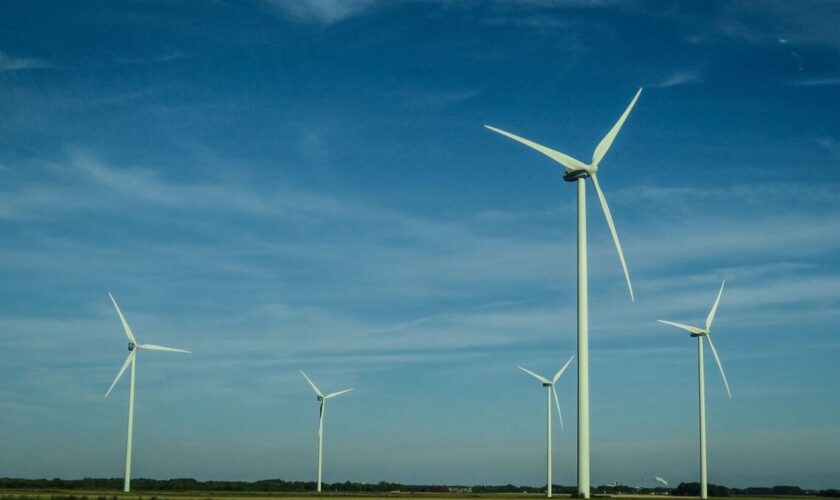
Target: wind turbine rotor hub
[319,398]
[131,346]
[573,175]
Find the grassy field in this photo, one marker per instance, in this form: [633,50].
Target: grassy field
[203,495]
[45,494]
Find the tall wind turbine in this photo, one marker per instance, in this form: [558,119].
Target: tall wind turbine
[549,386]
[323,399]
[133,346]
[577,171]
[700,333]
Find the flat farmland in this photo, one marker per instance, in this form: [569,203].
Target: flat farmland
[46,494]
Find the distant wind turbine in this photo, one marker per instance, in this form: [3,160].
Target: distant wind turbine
[323,400]
[133,346]
[700,333]
[550,388]
[577,171]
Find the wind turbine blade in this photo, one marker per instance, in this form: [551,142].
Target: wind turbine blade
[538,377]
[317,391]
[608,139]
[711,316]
[124,322]
[688,328]
[659,479]
[153,347]
[610,223]
[127,362]
[558,374]
[557,403]
[561,158]
[339,393]
[714,351]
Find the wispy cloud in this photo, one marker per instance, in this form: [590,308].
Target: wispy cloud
[9,63]
[781,22]
[816,82]
[679,78]
[543,23]
[172,55]
[562,3]
[437,98]
[830,145]
[321,11]
[145,185]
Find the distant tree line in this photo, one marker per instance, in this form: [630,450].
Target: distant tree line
[279,485]
[693,489]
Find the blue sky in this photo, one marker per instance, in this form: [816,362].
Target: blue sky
[307,185]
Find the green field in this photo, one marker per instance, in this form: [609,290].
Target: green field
[203,495]
[101,495]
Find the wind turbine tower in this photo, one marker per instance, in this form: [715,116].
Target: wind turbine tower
[550,389]
[700,333]
[576,171]
[323,409]
[133,348]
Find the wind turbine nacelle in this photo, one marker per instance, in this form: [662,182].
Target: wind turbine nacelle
[319,398]
[573,175]
[698,334]
[131,346]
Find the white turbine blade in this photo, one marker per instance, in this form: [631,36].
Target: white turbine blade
[714,351]
[124,322]
[660,480]
[559,373]
[538,377]
[334,394]
[317,391]
[557,403]
[688,328]
[561,158]
[610,223]
[128,361]
[153,347]
[711,316]
[608,139]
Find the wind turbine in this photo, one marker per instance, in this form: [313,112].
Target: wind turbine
[549,386]
[700,333]
[133,346]
[577,171]
[323,399]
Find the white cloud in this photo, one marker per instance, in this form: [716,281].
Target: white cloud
[431,98]
[172,55]
[830,145]
[543,23]
[781,21]
[322,11]
[8,63]
[562,3]
[680,78]
[816,82]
